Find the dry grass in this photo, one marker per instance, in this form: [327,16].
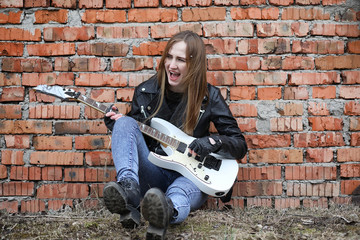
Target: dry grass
[337,222]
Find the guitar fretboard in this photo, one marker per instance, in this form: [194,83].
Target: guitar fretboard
[151,132]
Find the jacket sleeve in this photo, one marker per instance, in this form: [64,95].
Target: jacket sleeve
[233,141]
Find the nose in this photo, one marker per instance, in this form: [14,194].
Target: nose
[173,64]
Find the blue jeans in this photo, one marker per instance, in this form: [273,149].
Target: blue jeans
[130,155]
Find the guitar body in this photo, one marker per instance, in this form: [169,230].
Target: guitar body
[214,182]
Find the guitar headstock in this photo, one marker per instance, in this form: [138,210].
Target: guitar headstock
[64,94]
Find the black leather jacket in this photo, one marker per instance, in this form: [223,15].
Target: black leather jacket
[216,110]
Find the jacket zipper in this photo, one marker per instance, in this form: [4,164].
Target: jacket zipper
[200,115]
[143,111]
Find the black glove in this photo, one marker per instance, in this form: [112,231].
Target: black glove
[204,146]
[108,121]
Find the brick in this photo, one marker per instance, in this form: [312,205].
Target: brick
[99,175]
[63,191]
[318,47]
[51,173]
[252,2]
[351,77]
[350,170]
[220,46]
[136,78]
[104,16]
[318,109]
[337,62]
[234,63]
[254,13]
[17,141]
[74,174]
[32,206]
[310,173]
[3,172]
[17,34]
[10,111]
[11,49]
[46,16]
[149,48]
[259,202]
[11,4]
[296,13]
[243,110]
[69,33]
[131,64]
[318,139]
[34,79]
[250,189]
[26,65]
[327,189]
[242,93]
[146,3]
[122,32]
[308,2]
[12,94]
[19,173]
[227,2]
[323,29]
[261,78]
[319,155]
[103,49]
[96,190]
[247,124]
[348,155]
[281,2]
[350,187]
[316,203]
[276,156]
[57,205]
[103,95]
[230,29]
[88,64]
[286,124]
[354,46]
[290,109]
[91,4]
[125,94]
[80,127]
[34,173]
[118,3]
[328,92]
[54,112]
[9,206]
[11,157]
[25,127]
[259,173]
[350,92]
[56,158]
[298,62]
[64,3]
[17,188]
[204,14]
[98,158]
[52,142]
[283,203]
[281,29]
[152,15]
[92,142]
[220,78]
[271,63]
[97,79]
[352,108]
[314,78]
[168,30]
[36,3]
[51,49]
[354,124]
[9,79]
[355,139]
[300,29]
[269,93]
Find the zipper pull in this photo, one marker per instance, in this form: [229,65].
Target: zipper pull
[143,111]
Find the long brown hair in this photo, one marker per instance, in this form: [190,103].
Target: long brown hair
[195,79]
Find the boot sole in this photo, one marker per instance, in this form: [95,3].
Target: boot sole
[115,202]
[153,209]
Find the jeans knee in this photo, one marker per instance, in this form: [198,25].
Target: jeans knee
[125,123]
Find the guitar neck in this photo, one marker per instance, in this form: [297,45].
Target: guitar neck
[151,132]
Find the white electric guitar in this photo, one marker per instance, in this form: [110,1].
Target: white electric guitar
[214,175]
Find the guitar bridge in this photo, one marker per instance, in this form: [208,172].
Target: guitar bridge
[212,162]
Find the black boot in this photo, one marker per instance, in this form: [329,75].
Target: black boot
[158,210]
[124,198]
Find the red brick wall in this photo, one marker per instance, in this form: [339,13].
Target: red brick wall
[289,69]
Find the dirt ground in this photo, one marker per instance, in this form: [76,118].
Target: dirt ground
[337,222]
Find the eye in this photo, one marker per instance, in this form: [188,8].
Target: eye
[182,59]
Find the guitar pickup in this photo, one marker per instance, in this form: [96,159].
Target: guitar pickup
[212,162]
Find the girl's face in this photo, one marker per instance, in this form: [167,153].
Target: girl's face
[175,66]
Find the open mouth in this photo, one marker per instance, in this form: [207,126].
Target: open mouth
[174,75]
